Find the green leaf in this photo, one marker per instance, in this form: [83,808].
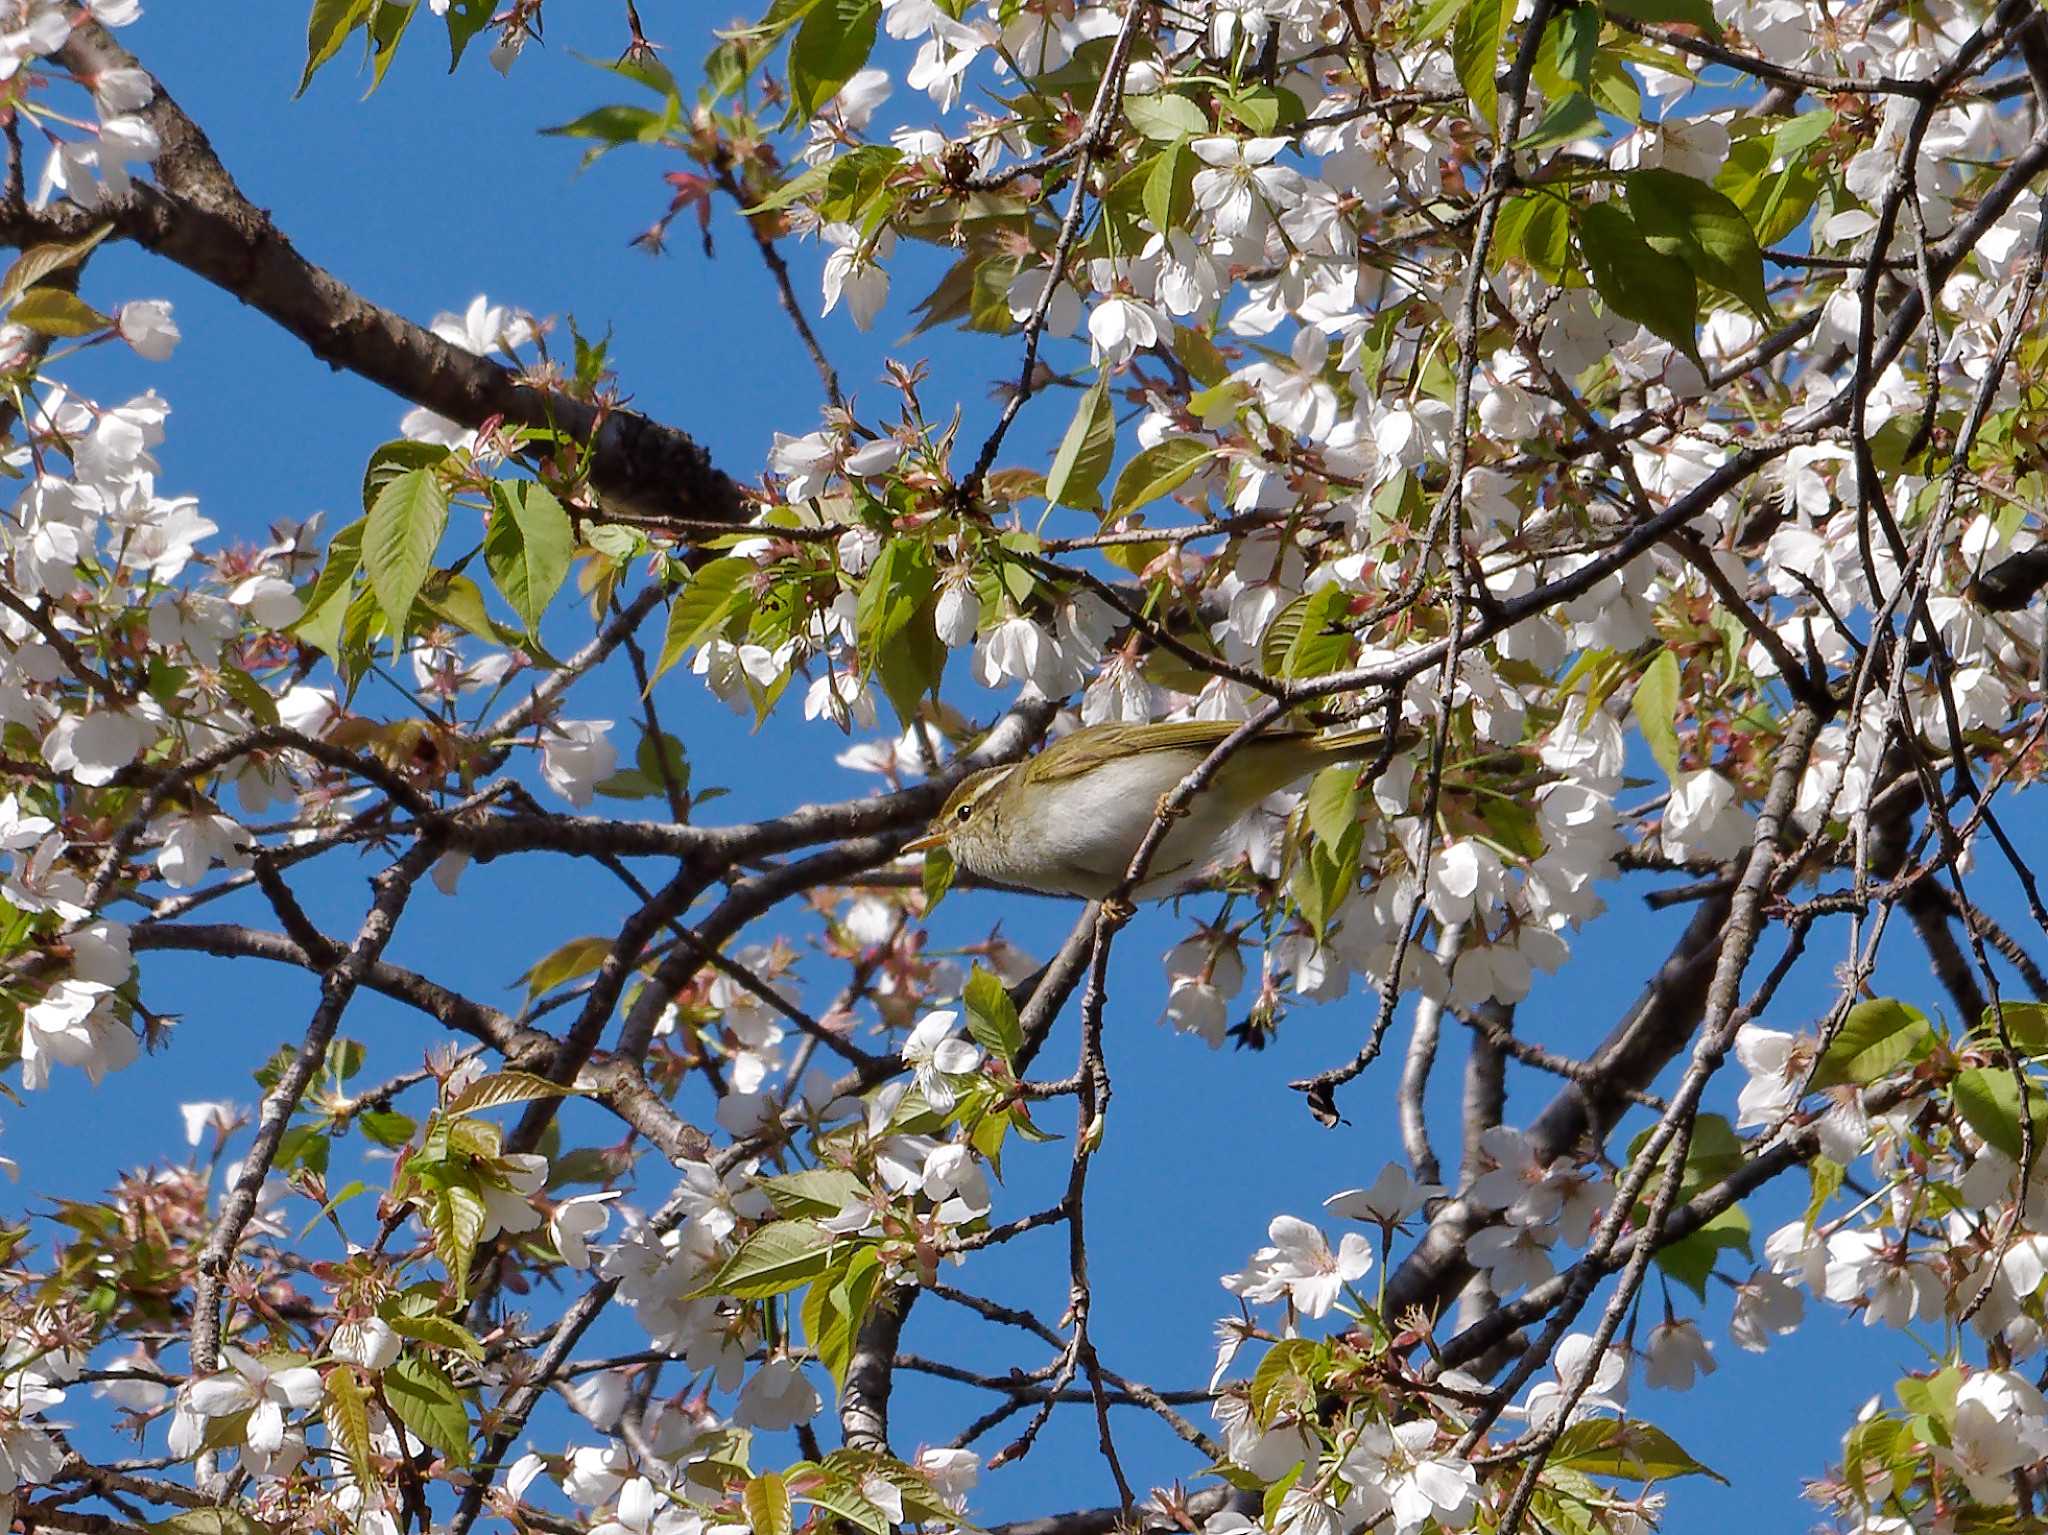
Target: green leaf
[455,1214]
[2026,1025]
[1989,1101]
[1574,42]
[1568,119]
[1774,188]
[1436,18]
[913,666]
[1613,89]
[1309,637]
[894,590]
[347,1192]
[348,1422]
[1285,1376]
[844,1499]
[327,28]
[1680,216]
[1166,117]
[1655,707]
[1824,1179]
[1691,1259]
[1332,803]
[1169,193]
[1475,50]
[252,695]
[1691,13]
[766,1502]
[40,261]
[1512,826]
[387,1127]
[1158,472]
[937,877]
[1876,1037]
[528,546]
[427,1402]
[1199,355]
[615,124]
[465,19]
[455,599]
[1637,281]
[1631,1449]
[57,312]
[1536,228]
[387,28]
[776,1259]
[893,627]
[831,47]
[391,459]
[1085,452]
[846,1307]
[1266,109]
[702,607]
[812,1191]
[503,1087]
[992,1016]
[579,956]
[440,1331]
[403,531]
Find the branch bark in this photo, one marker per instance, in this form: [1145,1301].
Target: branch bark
[197,217]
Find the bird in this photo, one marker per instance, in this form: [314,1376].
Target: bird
[1068,821]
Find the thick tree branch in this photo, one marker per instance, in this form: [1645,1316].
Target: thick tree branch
[197,217]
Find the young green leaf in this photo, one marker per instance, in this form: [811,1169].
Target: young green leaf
[1535,228]
[579,956]
[1632,1449]
[327,28]
[1682,217]
[1158,471]
[701,608]
[399,540]
[1476,51]
[1690,13]
[776,1259]
[503,1087]
[528,546]
[1989,1101]
[1655,707]
[831,47]
[766,1502]
[1569,118]
[1164,118]
[56,312]
[427,1402]
[992,1016]
[348,1422]
[1085,452]
[1877,1036]
[1639,282]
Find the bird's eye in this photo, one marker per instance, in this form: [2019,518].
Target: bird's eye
[963,812]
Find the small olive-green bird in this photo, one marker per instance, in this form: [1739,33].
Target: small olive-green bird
[1069,820]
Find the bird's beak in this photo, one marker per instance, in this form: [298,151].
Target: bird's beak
[926,843]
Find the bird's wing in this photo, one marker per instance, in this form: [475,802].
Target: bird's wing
[1056,766]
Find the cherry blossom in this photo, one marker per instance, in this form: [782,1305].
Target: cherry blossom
[261,1390]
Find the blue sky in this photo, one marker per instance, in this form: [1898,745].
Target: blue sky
[436,189]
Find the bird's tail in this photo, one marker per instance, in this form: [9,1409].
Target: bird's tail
[1365,741]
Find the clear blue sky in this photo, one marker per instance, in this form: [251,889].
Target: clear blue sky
[436,189]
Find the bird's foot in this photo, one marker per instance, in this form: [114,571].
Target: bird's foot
[1167,810]
[1116,911]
